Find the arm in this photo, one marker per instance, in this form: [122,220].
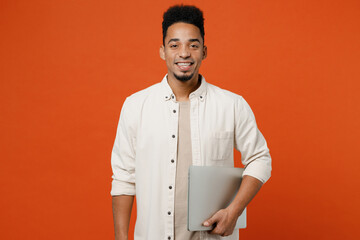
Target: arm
[248,189]
[225,219]
[122,206]
[123,166]
[257,161]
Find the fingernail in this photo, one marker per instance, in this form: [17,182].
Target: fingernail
[206,224]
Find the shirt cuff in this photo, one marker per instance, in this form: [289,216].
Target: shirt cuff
[122,188]
[259,170]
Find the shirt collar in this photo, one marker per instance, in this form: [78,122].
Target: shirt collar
[200,92]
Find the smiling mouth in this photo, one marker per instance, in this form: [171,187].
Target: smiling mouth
[184,66]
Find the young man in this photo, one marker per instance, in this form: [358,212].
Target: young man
[182,121]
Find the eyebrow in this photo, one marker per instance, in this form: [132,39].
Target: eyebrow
[190,40]
[173,40]
[194,40]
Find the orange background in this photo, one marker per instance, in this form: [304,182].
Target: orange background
[67,66]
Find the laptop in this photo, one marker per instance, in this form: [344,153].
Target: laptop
[211,188]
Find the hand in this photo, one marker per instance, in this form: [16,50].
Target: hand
[225,220]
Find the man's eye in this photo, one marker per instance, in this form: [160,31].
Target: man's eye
[194,46]
[173,45]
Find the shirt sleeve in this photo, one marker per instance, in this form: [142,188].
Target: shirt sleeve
[251,143]
[123,156]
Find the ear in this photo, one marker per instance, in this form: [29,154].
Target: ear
[204,52]
[162,52]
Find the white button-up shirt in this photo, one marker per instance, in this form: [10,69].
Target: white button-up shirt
[145,149]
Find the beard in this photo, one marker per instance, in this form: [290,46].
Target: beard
[184,78]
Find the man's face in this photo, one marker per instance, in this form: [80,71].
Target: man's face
[183,51]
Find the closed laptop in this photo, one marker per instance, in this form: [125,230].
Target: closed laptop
[210,189]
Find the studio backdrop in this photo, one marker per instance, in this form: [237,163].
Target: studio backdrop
[66,68]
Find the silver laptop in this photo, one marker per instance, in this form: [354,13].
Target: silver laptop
[210,189]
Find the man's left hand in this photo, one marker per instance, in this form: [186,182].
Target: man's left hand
[225,220]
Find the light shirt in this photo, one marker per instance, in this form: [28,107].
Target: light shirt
[145,150]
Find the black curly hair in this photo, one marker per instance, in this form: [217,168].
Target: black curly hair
[183,13]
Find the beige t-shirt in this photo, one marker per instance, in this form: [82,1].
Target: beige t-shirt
[184,160]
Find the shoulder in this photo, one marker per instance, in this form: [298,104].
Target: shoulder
[221,94]
[227,99]
[133,104]
[139,97]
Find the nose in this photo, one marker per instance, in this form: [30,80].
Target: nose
[184,52]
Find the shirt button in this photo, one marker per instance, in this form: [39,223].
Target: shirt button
[169,213]
[172,161]
[173,136]
[170,187]
[172,97]
[200,96]
[169,237]
[174,111]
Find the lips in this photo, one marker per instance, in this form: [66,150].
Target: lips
[184,66]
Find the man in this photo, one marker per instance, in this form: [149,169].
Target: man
[179,122]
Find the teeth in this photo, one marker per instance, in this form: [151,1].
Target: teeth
[183,64]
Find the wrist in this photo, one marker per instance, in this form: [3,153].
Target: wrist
[121,237]
[235,210]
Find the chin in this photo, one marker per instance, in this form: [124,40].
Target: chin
[184,78]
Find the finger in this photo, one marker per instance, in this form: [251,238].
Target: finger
[225,234]
[217,230]
[223,231]
[211,220]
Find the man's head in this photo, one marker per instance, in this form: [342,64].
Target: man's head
[183,42]
[185,14]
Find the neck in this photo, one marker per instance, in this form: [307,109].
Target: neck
[182,89]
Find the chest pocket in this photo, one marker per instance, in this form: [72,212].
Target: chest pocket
[222,145]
